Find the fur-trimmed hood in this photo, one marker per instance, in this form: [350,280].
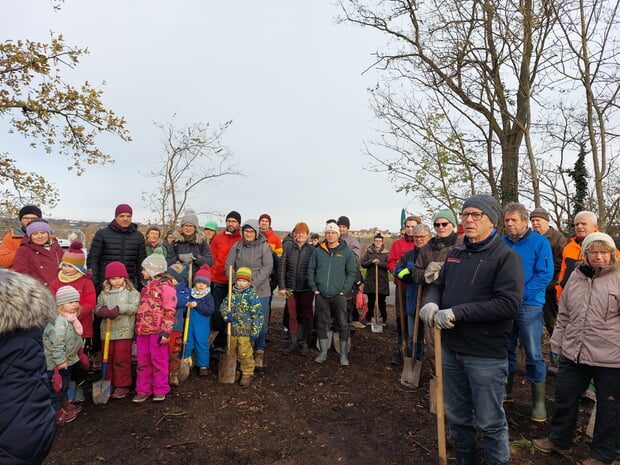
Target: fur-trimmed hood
[24,303]
[200,236]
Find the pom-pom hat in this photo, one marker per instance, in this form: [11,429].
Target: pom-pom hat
[75,257]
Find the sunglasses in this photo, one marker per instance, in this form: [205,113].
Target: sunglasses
[441,225]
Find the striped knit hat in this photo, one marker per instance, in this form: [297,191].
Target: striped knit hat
[67,294]
[244,273]
[75,257]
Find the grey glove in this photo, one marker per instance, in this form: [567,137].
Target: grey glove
[444,319]
[432,271]
[427,313]
[187,257]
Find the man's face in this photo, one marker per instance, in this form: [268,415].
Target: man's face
[249,234]
[378,242]
[26,219]
[540,225]
[420,238]
[476,225]
[263,224]
[331,237]
[515,225]
[231,225]
[443,227]
[584,226]
[409,225]
[343,229]
[124,220]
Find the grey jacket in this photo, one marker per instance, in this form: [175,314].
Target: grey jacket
[255,255]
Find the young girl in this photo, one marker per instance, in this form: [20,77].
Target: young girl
[154,323]
[73,273]
[247,321]
[62,340]
[178,272]
[118,302]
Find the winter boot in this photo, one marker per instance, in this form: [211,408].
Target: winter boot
[508,396]
[259,361]
[323,346]
[245,380]
[293,345]
[343,353]
[305,348]
[65,416]
[539,413]
[69,407]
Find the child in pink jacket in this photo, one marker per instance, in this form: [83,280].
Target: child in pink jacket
[154,323]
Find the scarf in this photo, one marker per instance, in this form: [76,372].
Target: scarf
[119,227]
[199,294]
[476,246]
[441,242]
[73,319]
[237,289]
[63,278]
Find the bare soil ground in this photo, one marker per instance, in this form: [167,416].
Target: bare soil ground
[295,412]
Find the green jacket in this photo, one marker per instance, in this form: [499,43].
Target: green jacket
[121,327]
[61,343]
[332,273]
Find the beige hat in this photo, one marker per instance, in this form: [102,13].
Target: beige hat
[597,236]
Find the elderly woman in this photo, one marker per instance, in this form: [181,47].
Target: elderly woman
[587,338]
[40,254]
[190,244]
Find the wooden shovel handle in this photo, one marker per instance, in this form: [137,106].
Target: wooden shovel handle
[416,324]
[229,325]
[441,428]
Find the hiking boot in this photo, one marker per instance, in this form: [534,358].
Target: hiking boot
[120,393]
[546,446]
[203,371]
[173,379]
[139,398]
[259,361]
[245,380]
[159,397]
[65,416]
[69,407]
[593,461]
[79,394]
[359,324]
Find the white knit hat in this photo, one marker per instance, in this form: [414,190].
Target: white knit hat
[597,236]
[332,227]
[155,263]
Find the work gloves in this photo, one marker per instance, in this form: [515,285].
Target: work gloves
[427,314]
[187,257]
[444,319]
[111,313]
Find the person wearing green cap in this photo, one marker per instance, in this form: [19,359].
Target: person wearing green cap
[210,231]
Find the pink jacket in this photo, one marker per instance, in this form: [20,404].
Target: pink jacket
[156,312]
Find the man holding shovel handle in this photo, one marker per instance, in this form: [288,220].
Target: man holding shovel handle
[474,300]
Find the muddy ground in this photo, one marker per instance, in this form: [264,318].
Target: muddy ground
[295,412]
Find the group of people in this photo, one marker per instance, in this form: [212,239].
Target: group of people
[174,295]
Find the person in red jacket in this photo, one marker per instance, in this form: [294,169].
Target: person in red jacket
[220,246]
[39,253]
[399,248]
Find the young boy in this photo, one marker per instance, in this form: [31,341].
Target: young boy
[247,320]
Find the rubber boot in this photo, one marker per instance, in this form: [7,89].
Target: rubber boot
[508,396]
[293,345]
[305,348]
[323,346]
[343,353]
[539,413]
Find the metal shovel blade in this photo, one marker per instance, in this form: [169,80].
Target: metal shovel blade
[184,370]
[101,391]
[408,376]
[227,363]
[375,326]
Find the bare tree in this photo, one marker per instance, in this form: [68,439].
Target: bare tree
[191,157]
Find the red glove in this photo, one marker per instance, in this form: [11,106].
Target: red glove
[84,362]
[56,380]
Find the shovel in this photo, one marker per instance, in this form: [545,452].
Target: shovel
[101,389]
[186,363]
[411,375]
[441,427]
[375,325]
[228,360]
[407,377]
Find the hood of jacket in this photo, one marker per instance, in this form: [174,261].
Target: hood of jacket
[260,238]
[200,236]
[24,303]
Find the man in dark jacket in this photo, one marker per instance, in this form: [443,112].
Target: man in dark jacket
[119,241]
[27,423]
[475,299]
[331,274]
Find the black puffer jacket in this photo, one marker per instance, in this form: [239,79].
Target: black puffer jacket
[110,244]
[198,246]
[27,422]
[293,266]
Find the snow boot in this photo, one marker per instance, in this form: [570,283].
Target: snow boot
[245,380]
[323,346]
[343,353]
[539,413]
[65,416]
[259,360]
[293,344]
[508,396]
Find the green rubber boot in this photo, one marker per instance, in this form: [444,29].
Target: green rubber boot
[539,413]
[508,396]
[293,345]
[323,346]
[343,353]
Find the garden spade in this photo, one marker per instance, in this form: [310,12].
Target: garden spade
[407,377]
[101,388]
[186,362]
[375,324]
[228,360]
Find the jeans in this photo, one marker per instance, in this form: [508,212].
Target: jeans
[528,326]
[473,395]
[325,307]
[260,342]
[572,380]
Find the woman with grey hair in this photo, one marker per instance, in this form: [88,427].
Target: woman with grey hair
[586,338]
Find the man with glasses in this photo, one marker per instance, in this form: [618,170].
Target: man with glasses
[475,300]
[537,260]
[12,239]
[430,260]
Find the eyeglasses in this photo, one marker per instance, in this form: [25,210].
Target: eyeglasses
[420,237]
[475,216]
[441,225]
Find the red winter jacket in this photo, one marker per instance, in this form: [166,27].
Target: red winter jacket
[399,248]
[37,261]
[220,246]
[88,300]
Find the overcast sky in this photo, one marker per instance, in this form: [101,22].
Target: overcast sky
[284,71]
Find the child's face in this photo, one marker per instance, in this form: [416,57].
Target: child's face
[68,270]
[242,283]
[71,307]
[117,281]
[200,286]
[145,274]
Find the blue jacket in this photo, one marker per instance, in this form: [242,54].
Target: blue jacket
[404,272]
[537,261]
